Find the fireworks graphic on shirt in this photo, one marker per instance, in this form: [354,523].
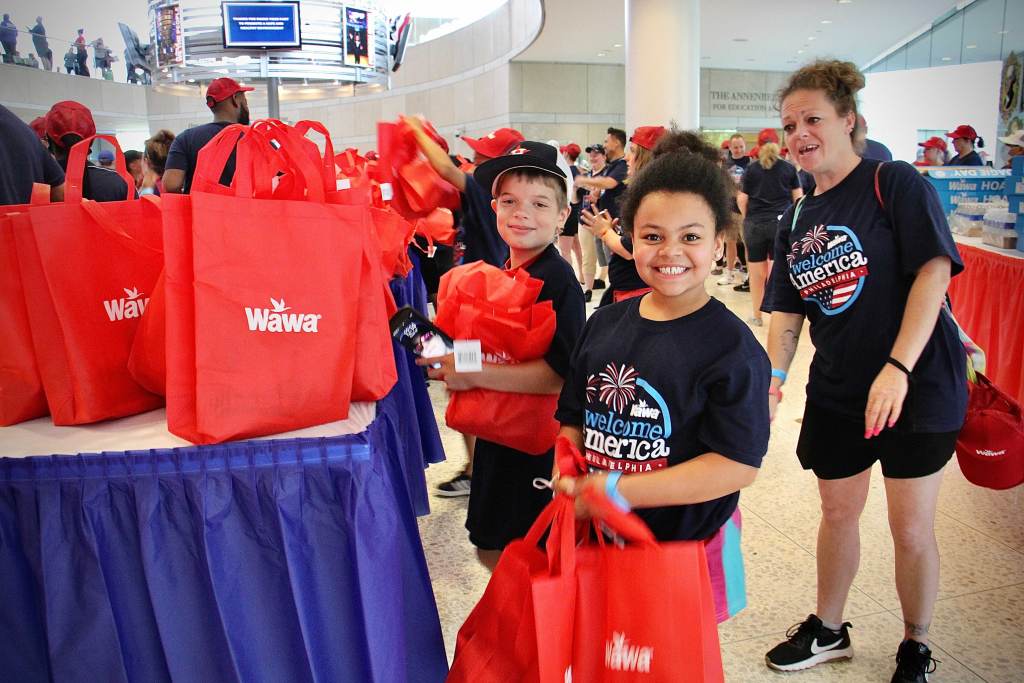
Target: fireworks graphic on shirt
[814,241]
[617,386]
[593,384]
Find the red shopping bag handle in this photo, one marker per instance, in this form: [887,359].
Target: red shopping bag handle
[329,172]
[75,172]
[102,216]
[571,463]
[293,154]
[40,194]
[213,157]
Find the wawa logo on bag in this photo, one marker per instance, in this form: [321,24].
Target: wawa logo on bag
[277,319]
[132,305]
[620,655]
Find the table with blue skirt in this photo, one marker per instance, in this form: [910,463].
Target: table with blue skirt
[293,558]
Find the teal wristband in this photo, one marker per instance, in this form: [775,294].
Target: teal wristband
[780,374]
[611,490]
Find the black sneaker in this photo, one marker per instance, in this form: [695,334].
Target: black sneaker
[913,663]
[743,286]
[599,284]
[588,296]
[808,644]
[457,486]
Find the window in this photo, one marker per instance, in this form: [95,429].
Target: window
[983,22]
[946,41]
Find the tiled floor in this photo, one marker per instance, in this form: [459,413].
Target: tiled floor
[978,630]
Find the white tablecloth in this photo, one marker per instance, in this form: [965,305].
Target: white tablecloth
[139,432]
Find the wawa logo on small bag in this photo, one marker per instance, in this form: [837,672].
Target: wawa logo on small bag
[277,319]
[620,655]
[132,305]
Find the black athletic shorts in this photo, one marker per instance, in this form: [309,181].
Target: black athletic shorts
[834,447]
[759,238]
[503,502]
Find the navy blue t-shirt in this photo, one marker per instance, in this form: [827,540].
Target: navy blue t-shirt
[770,190]
[972,158]
[873,149]
[652,394]
[848,265]
[23,161]
[104,185]
[184,152]
[609,200]
[480,227]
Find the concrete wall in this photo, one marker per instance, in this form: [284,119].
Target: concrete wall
[898,103]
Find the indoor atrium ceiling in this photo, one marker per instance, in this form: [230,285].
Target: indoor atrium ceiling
[768,35]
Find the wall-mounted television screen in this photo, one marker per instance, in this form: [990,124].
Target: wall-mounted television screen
[258,25]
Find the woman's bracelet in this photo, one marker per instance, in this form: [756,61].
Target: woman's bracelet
[777,393]
[780,374]
[899,366]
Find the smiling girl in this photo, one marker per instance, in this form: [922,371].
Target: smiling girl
[666,392]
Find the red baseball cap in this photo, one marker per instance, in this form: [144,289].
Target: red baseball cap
[495,144]
[222,88]
[647,136]
[767,135]
[725,143]
[66,117]
[754,152]
[934,142]
[963,131]
[38,125]
[572,149]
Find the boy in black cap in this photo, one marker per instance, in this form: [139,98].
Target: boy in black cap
[530,187]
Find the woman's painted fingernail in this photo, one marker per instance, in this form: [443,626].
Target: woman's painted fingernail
[867,434]
[878,431]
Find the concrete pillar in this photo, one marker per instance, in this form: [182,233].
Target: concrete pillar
[662,63]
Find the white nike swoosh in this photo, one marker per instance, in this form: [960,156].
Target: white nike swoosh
[815,650]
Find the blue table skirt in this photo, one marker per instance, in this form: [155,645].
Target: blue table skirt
[290,560]
[279,561]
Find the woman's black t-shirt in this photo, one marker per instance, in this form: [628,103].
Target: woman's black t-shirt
[848,265]
[770,190]
[652,394]
[970,159]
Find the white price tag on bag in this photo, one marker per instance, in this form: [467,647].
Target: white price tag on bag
[468,357]
[387,193]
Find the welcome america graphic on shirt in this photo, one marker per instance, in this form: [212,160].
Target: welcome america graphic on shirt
[828,267]
[626,422]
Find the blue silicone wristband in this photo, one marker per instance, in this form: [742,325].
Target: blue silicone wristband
[611,484]
[780,374]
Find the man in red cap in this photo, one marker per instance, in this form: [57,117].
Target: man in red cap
[226,99]
[478,229]
[23,162]
[38,126]
[67,124]
[934,152]
[964,138]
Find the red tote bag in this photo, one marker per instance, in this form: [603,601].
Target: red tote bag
[262,294]
[500,309]
[21,388]
[644,611]
[88,271]
[499,640]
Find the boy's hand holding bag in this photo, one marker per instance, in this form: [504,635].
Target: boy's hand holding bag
[500,308]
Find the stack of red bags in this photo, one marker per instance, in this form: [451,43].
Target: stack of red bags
[500,308]
[87,272]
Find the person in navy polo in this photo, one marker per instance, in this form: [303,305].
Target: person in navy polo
[226,99]
[964,139]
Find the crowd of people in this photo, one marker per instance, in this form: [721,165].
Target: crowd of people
[75,58]
[668,395]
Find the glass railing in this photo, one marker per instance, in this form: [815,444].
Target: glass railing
[93,59]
